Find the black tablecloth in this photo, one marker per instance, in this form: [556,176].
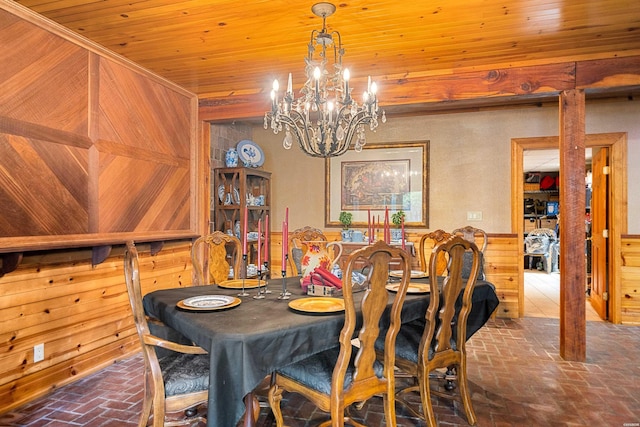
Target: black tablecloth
[248,342]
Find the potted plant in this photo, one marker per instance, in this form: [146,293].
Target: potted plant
[396,219]
[345,219]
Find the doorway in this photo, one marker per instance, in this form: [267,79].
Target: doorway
[617,215]
[541,214]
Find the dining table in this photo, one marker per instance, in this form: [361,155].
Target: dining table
[250,340]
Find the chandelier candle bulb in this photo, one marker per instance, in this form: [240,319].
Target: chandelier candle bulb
[274,93]
[346,76]
[290,85]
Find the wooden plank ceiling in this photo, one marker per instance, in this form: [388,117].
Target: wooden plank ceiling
[223,48]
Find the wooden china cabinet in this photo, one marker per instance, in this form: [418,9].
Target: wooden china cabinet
[234,190]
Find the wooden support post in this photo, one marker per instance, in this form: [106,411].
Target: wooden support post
[572,229]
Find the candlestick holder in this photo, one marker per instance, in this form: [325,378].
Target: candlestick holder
[261,292]
[284,294]
[266,276]
[244,293]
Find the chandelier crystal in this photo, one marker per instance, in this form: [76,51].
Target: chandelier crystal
[325,119]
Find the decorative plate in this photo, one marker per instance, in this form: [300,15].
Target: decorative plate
[250,153]
[236,195]
[209,302]
[318,305]
[221,193]
[237,284]
[415,274]
[414,288]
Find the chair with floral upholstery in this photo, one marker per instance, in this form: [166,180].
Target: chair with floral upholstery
[175,382]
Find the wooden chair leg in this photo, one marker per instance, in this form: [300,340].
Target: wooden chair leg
[389,410]
[425,396]
[465,394]
[275,396]
[146,413]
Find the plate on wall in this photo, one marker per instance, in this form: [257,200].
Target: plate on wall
[209,302]
[250,153]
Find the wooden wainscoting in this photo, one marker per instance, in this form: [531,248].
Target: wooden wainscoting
[630,280]
[501,266]
[81,314]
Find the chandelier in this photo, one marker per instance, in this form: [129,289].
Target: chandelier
[325,118]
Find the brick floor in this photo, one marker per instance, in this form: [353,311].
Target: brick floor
[516,375]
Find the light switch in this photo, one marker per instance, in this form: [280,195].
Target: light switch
[474,215]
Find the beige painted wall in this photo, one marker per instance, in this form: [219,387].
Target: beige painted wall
[469,168]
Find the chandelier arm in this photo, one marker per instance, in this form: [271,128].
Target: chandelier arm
[310,48]
[337,49]
[299,126]
[358,119]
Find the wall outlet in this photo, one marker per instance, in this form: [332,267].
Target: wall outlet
[474,215]
[38,353]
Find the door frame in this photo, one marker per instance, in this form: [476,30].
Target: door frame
[617,144]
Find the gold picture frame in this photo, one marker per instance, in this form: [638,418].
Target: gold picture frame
[393,176]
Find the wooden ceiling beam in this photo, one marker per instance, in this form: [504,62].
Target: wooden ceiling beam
[503,85]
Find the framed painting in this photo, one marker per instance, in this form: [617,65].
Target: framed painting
[381,176]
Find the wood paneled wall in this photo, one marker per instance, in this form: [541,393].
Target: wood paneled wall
[92,147]
[80,312]
[630,280]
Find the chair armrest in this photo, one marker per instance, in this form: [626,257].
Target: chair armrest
[170,345]
[154,321]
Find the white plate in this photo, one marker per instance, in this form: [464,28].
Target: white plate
[250,153]
[221,193]
[208,301]
[415,274]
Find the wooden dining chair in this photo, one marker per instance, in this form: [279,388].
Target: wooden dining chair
[176,382]
[335,379]
[212,257]
[479,237]
[427,242]
[442,341]
[298,247]
[473,234]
